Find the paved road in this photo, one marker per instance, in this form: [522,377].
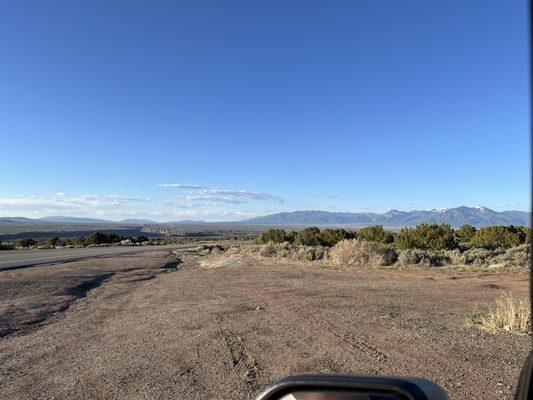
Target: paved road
[22,258]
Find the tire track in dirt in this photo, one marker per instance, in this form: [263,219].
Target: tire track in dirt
[242,363]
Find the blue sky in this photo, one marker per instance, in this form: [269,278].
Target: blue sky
[225,110]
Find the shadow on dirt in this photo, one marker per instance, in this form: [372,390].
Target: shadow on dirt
[47,297]
[81,290]
[172,265]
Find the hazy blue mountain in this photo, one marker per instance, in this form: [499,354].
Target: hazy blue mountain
[476,216]
[14,219]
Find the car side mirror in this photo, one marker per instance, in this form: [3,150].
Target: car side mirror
[334,387]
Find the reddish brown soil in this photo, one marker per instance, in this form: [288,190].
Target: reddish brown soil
[123,327]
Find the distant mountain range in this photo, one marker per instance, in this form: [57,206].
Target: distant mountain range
[476,216]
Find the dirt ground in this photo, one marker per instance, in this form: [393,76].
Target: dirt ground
[150,326]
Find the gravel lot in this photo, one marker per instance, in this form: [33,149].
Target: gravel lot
[161,325]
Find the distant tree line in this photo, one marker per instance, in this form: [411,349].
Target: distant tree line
[99,238]
[82,241]
[424,236]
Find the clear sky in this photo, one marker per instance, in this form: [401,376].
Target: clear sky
[222,110]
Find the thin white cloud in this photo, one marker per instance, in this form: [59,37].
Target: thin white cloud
[181,186]
[203,194]
[324,195]
[213,215]
[210,200]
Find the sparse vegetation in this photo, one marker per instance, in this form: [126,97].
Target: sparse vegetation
[509,314]
[488,249]
[427,245]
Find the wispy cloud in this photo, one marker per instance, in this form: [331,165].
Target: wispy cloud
[203,194]
[324,195]
[211,200]
[181,186]
[212,215]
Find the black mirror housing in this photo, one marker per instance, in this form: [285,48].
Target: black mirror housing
[354,387]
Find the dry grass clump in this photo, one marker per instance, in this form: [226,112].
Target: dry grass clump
[362,253]
[509,314]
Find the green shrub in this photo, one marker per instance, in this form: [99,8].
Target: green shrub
[76,241]
[272,235]
[426,237]
[309,237]
[375,234]
[527,232]
[102,238]
[465,233]
[24,243]
[492,237]
[6,246]
[291,236]
[139,239]
[330,237]
[53,241]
